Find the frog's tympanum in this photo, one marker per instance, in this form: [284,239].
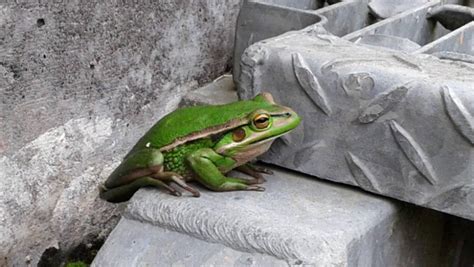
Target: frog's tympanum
[202,143]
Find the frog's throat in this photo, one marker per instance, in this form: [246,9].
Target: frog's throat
[251,152]
[205,133]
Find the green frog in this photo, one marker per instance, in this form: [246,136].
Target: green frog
[202,143]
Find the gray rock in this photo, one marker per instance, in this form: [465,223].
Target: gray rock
[219,91]
[80,82]
[297,219]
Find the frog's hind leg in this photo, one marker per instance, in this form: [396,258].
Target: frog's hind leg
[177,179]
[140,169]
[125,192]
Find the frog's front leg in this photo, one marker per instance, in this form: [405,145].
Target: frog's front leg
[206,162]
[254,171]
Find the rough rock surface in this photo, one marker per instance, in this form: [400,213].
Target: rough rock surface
[297,219]
[80,82]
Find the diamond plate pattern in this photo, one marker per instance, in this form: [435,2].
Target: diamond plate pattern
[377,114]
[391,129]
[309,82]
[414,152]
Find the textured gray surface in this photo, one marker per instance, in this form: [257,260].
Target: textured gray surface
[393,123]
[388,8]
[297,219]
[459,41]
[79,83]
[452,16]
[411,24]
[406,21]
[133,243]
[259,21]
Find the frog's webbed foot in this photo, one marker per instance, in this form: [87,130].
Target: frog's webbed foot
[254,171]
[125,192]
[172,177]
[233,183]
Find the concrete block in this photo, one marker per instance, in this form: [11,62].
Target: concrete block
[297,221]
[390,130]
[394,123]
[80,82]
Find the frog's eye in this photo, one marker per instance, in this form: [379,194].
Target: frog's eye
[238,135]
[261,121]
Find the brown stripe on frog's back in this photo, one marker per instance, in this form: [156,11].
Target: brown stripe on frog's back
[205,133]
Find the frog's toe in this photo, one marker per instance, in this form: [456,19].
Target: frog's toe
[254,171]
[263,170]
[174,192]
[102,188]
[170,189]
[259,180]
[193,191]
[196,193]
[255,188]
[267,171]
[190,189]
[180,182]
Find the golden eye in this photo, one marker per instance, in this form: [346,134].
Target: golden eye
[238,135]
[261,121]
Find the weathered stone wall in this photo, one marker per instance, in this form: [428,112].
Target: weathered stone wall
[80,82]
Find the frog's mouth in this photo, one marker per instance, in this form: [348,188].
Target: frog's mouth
[265,140]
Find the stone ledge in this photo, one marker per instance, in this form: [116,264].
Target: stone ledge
[297,219]
[133,243]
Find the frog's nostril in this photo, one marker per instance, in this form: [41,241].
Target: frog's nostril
[288,114]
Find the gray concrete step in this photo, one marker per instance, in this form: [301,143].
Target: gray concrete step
[297,220]
[134,243]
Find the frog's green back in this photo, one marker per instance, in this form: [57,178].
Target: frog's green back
[187,121]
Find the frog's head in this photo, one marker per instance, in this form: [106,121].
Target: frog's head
[264,124]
